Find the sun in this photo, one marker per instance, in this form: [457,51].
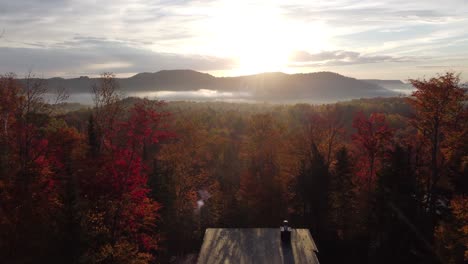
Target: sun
[255,37]
[259,37]
[264,53]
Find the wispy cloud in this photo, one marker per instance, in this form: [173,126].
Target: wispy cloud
[73,37]
[89,56]
[341,57]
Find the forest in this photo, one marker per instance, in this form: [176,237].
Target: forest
[132,180]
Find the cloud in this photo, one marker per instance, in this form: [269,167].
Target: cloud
[31,6]
[162,23]
[356,24]
[78,37]
[351,12]
[340,57]
[90,56]
[30,11]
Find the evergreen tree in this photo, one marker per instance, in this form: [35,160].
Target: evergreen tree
[342,194]
[397,235]
[312,186]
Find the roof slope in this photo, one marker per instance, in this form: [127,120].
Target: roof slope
[256,245]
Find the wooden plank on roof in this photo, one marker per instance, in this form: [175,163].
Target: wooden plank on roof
[256,245]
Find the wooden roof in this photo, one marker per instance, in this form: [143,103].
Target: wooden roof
[256,245]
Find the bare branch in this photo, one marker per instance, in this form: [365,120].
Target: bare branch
[34,92]
[107,105]
[61,95]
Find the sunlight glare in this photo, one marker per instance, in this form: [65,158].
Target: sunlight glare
[260,38]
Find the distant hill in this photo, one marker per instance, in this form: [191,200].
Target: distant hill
[318,86]
[169,80]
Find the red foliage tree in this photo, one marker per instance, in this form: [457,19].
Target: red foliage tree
[371,140]
[29,188]
[124,212]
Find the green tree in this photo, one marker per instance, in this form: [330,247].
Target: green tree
[312,187]
[398,216]
[342,197]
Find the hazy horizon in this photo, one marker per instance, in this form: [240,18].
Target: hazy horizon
[319,87]
[33,74]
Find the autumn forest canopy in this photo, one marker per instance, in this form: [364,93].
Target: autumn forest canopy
[141,124]
[132,180]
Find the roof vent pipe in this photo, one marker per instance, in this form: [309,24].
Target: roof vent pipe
[285,232]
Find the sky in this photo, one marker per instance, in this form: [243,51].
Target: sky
[388,39]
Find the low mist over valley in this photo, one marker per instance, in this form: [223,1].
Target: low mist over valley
[318,87]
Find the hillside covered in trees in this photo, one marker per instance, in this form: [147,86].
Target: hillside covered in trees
[317,87]
[130,180]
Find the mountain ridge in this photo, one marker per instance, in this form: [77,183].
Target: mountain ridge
[318,86]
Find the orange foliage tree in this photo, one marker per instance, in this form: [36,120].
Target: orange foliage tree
[441,120]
